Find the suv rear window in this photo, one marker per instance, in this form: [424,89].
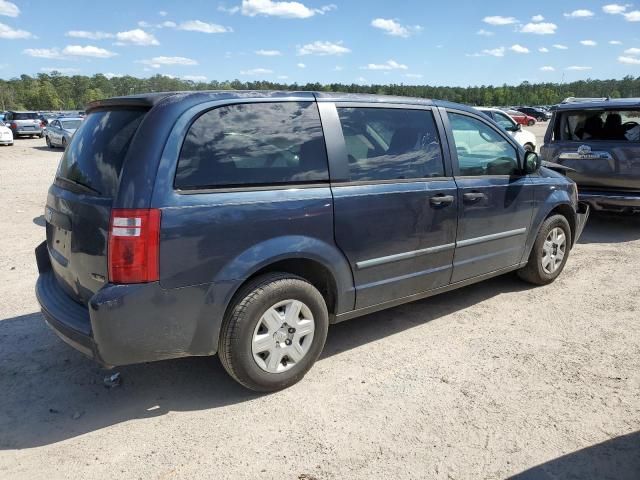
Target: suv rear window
[254,144]
[25,116]
[94,157]
[607,125]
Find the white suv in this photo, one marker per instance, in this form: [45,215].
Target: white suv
[523,137]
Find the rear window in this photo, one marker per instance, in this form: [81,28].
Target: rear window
[94,157]
[25,116]
[605,125]
[254,144]
[70,124]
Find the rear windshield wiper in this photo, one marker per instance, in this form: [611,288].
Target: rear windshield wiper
[78,185]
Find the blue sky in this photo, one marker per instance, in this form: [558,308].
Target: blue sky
[410,41]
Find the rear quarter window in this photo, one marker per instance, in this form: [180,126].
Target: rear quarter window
[95,154]
[254,144]
[599,124]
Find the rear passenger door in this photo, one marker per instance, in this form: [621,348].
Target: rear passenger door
[395,205]
[495,198]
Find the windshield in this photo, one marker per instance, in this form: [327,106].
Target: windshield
[70,124]
[25,116]
[94,157]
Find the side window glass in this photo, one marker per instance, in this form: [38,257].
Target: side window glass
[254,144]
[391,144]
[502,120]
[481,149]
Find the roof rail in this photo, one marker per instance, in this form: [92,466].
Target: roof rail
[585,99]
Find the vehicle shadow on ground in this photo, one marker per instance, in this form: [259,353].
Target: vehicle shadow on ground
[52,393]
[615,459]
[610,228]
[44,148]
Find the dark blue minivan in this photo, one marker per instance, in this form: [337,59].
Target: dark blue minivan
[244,223]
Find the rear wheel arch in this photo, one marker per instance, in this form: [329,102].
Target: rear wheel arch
[307,269]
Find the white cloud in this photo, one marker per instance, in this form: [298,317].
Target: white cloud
[338,68]
[541,28]
[167,24]
[494,52]
[499,20]
[484,33]
[629,60]
[547,68]
[251,8]
[614,9]
[301,65]
[580,13]
[632,51]
[632,16]
[269,53]
[229,10]
[204,27]
[63,70]
[111,75]
[588,43]
[195,78]
[88,35]
[42,52]
[323,48]
[136,37]
[543,50]
[388,65]
[162,13]
[578,68]
[537,18]
[9,9]
[256,71]
[361,80]
[559,46]
[9,33]
[87,51]
[393,28]
[157,62]
[413,75]
[615,42]
[518,49]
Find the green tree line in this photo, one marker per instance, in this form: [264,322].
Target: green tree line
[55,91]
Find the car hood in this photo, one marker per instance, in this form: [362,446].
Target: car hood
[5,130]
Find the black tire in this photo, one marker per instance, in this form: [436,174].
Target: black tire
[533,272]
[531,123]
[241,320]
[64,143]
[48,140]
[41,135]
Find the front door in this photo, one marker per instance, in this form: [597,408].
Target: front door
[396,210]
[495,199]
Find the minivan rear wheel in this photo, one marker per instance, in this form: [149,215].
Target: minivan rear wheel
[549,253]
[274,332]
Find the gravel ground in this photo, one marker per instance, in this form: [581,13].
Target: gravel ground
[490,381]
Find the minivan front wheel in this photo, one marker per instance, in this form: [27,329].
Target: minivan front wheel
[549,253]
[274,332]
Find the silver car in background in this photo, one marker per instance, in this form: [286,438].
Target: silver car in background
[59,131]
[24,123]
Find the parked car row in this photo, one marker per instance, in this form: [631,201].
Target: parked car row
[243,224]
[523,137]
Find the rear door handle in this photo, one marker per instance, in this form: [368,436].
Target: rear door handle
[441,200]
[472,197]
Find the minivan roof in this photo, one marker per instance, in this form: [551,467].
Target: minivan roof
[201,96]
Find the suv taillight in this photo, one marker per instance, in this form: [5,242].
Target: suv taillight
[13,125]
[134,245]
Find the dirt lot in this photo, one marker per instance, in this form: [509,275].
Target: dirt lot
[494,380]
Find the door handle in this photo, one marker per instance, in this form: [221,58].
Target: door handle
[441,200]
[473,197]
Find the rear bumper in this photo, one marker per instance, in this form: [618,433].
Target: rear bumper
[126,324]
[611,201]
[27,132]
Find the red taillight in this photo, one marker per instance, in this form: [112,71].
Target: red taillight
[13,125]
[134,245]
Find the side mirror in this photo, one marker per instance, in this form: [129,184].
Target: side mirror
[532,163]
[518,127]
